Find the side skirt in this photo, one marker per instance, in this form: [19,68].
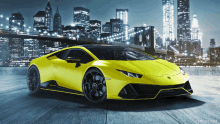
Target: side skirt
[53,86]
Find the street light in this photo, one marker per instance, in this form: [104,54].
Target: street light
[24,25]
[7,18]
[1,16]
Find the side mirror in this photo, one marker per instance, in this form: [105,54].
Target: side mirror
[77,64]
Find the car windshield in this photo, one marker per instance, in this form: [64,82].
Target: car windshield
[118,53]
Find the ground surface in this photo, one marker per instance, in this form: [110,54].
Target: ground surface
[17,105]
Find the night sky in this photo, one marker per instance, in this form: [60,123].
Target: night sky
[140,11]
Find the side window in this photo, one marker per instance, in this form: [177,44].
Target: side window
[61,54]
[73,54]
[85,57]
[79,54]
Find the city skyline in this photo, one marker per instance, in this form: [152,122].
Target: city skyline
[207,13]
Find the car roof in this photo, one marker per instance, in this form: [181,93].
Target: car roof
[100,46]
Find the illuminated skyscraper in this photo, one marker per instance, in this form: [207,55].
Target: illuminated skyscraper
[48,17]
[16,22]
[31,47]
[4,51]
[106,28]
[39,19]
[195,32]
[57,26]
[116,26]
[81,17]
[168,21]
[183,20]
[122,14]
[95,28]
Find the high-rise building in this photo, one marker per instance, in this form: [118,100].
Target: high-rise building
[159,42]
[4,51]
[183,20]
[31,48]
[39,21]
[145,37]
[116,26]
[122,14]
[212,43]
[16,22]
[196,35]
[81,17]
[57,22]
[74,31]
[168,21]
[95,28]
[16,46]
[106,28]
[48,17]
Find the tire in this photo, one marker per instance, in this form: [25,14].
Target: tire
[33,82]
[94,86]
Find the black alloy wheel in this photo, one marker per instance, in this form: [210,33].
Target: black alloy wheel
[94,86]
[33,80]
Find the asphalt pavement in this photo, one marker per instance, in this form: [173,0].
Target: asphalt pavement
[18,106]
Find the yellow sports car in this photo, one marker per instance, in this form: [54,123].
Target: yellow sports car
[101,72]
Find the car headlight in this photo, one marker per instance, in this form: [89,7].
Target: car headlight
[129,74]
[182,71]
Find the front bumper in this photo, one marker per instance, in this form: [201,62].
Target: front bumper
[143,91]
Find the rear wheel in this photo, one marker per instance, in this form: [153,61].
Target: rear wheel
[94,86]
[33,80]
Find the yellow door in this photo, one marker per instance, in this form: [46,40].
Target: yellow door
[69,72]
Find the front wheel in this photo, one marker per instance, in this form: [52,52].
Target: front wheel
[33,80]
[94,86]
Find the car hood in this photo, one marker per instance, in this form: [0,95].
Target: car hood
[148,67]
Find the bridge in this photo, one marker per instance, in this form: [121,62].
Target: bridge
[145,33]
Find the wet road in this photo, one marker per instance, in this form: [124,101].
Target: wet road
[17,105]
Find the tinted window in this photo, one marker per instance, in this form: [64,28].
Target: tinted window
[119,53]
[61,54]
[74,54]
[80,54]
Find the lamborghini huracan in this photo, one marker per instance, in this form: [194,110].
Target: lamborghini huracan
[101,72]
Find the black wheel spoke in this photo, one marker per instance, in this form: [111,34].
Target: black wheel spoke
[94,78]
[103,88]
[96,94]
[90,94]
[100,93]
